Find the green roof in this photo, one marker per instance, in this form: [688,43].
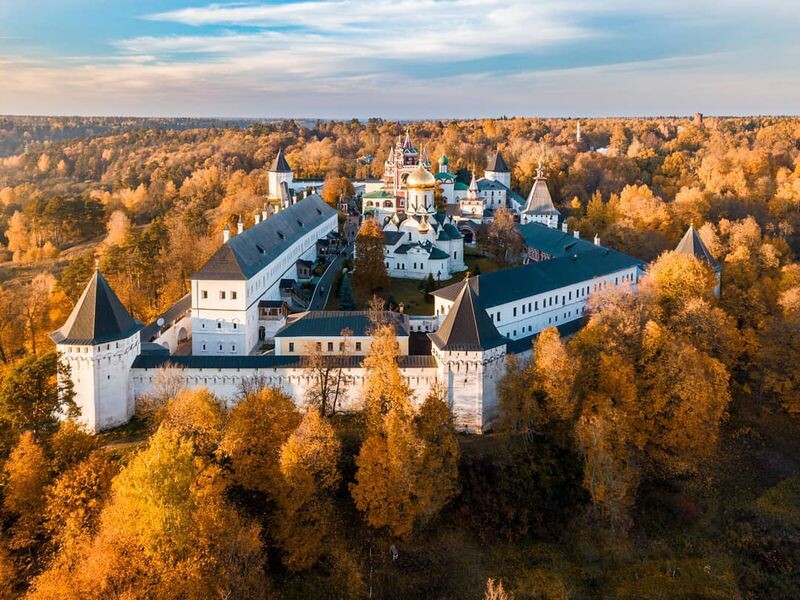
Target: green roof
[441,176]
[509,285]
[437,254]
[322,323]
[461,186]
[378,194]
[554,242]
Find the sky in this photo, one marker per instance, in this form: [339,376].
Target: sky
[399,59]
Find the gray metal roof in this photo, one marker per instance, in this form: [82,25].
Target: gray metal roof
[321,323]
[218,364]
[692,244]
[279,164]
[554,242]
[539,201]
[244,255]
[497,164]
[169,317]
[97,317]
[467,327]
[508,285]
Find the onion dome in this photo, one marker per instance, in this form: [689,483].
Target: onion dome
[443,160]
[421,178]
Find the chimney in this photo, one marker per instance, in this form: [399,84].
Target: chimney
[596,240]
[565,227]
[257,218]
[576,233]
[226,235]
[240,225]
[264,212]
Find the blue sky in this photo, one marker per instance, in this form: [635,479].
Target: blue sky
[399,58]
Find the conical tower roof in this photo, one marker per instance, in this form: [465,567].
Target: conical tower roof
[539,200]
[98,317]
[279,165]
[467,327]
[692,244]
[496,164]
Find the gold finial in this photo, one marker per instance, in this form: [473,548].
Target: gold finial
[466,277]
[96,264]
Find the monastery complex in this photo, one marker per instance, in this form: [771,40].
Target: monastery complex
[243,298]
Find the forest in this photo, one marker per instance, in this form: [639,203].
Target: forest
[655,454]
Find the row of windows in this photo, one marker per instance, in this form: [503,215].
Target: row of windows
[234,324]
[221,347]
[551,320]
[330,346]
[222,295]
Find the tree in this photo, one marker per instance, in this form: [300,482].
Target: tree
[18,237]
[167,531]
[309,466]
[36,392]
[76,497]
[336,188]
[538,393]
[256,430]
[370,268]
[502,239]
[384,385]
[329,378]
[346,300]
[387,482]
[438,479]
[196,415]
[27,473]
[675,278]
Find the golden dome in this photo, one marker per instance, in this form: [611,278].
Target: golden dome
[421,178]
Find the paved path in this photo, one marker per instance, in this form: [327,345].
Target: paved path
[319,301]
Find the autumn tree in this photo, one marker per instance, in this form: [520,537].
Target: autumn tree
[306,514]
[336,188]
[439,457]
[370,268]
[166,531]
[27,473]
[537,393]
[196,415]
[257,428]
[384,385]
[501,238]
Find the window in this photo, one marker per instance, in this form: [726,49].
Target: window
[291,346]
[358,346]
[498,316]
[220,347]
[330,346]
[536,305]
[319,346]
[204,294]
[341,346]
[204,347]
[515,311]
[233,347]
[455,255]
[222,295]
[233,295]
[219,325]
[234,324]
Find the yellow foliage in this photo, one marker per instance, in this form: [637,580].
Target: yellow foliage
[257,428]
